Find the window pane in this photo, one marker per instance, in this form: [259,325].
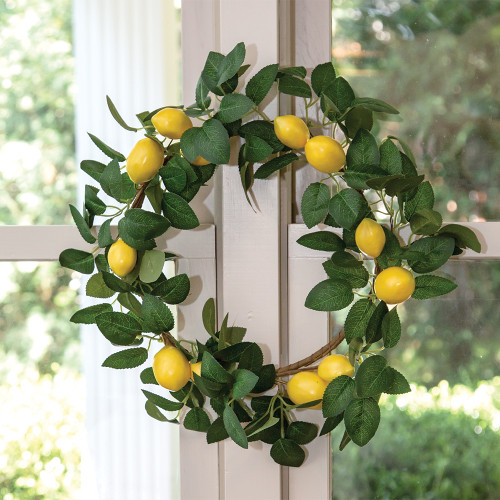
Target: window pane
[437,63]
[37,166]
[437,441]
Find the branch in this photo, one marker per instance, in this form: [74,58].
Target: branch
[315,356]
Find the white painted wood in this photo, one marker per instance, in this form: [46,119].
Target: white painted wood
[312,23]
[47,242]
[487,233]
[308,331]
[248,251]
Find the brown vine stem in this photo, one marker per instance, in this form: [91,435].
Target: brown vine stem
[315,356]
[140,195]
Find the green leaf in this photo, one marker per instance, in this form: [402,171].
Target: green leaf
[148,377]
[338,394]
[314,204]
[115,283]
[360,177]
[233,427]
[291,85]
[174,290]
[245,381]
[97,288]
[174,174]
[362,418]
[208,316]
[355,347]
[252,358]
[363,151]
[142,225]
[128,301]
[397,186]
[256,430]
[425,221]
[428,286]
[358,118]
[391,329]
[345,267]
[424,198]
[357,319]
[118,328]
[178,212]
[374,328]
[197,419]
[209,387]
[379,183]
[390,158]
[157,316]
[78,260]
[212,142]
[154,412]
[372,378]
[188,143]
[348,208]
[264,130]
[232,353]
[211,69]
[230,65]
[464,237]
[201,94]
[93,168]
[217,432]
[233,107]
[302,432]
[375,105]
[341,95]
[322,76]
[164,404]
[260,84]
[392,253]
[299,71]
[274,165]
[434,251]
[117,117]
[287,452]
[88,315]
[331,423]
[256,149]
[151,265]
[111,180]
[92,202]
[406,149]
[82,225]
[108,151]
[329,295]
[399,384]
[128,358]
[104,237]
[267,378]
[322,240]
[128,187]
[211,369]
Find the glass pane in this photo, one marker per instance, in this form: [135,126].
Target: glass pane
[37,166]
[437,63]
[439,440]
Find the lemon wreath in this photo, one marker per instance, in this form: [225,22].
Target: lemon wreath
[372,261]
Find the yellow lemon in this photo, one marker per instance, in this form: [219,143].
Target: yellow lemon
[121,258]
[370,237]
[325,154]
[304,387]
[171,122]
[196,368]
[144,161]
[200,162]
[333,366]
[394,285]
[171,368]
[291,131]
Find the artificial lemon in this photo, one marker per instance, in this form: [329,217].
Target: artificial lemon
[291,131]
[144,161]
[121,258]
[333,366]
[304,387]
[196,368]
[394,285]
[370,237]
[200,161]
[325,154]
[171,122]
[171,368]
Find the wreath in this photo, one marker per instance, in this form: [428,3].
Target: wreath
[373,192]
